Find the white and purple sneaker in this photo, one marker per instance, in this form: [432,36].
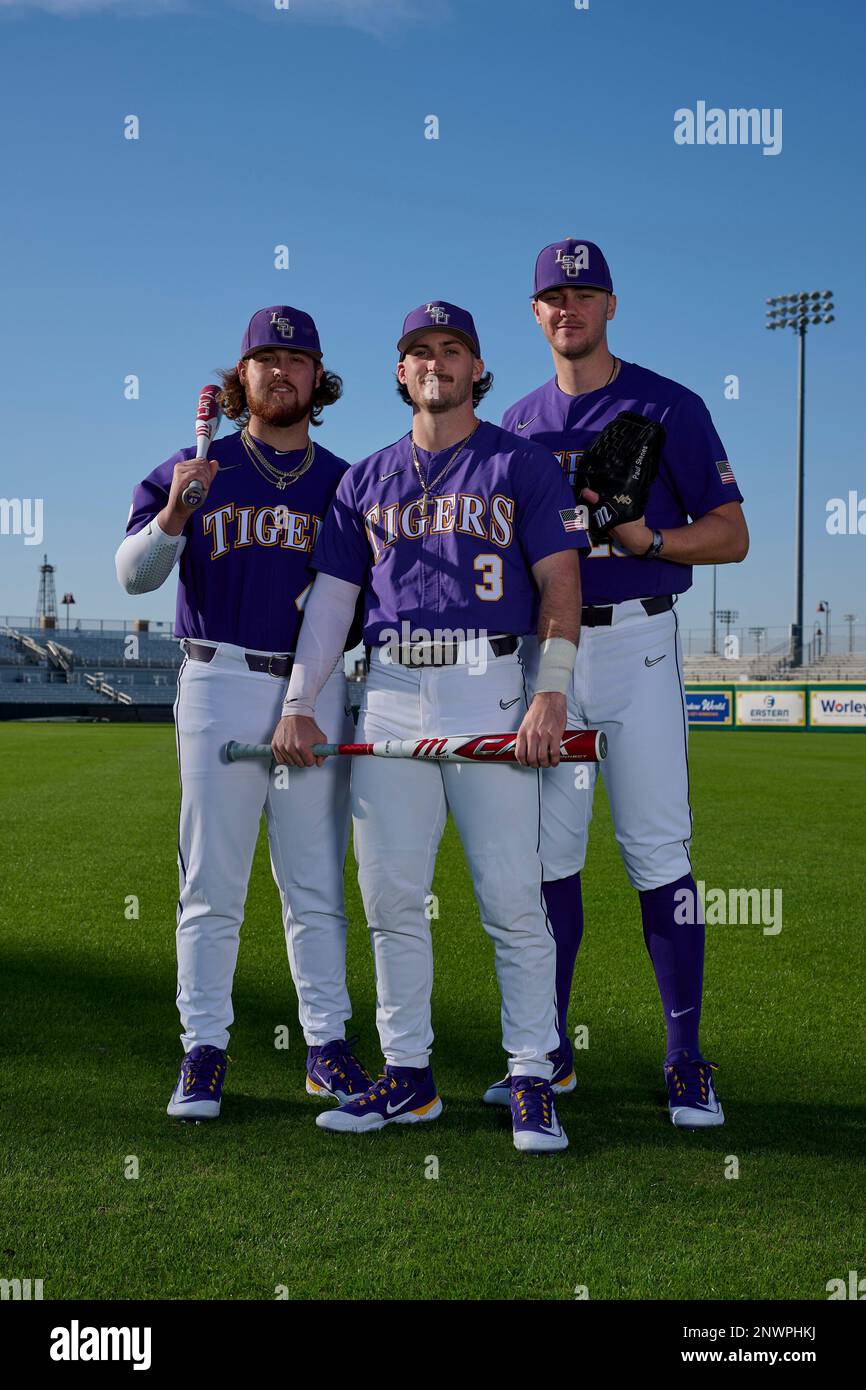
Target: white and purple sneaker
[562,1080]
[199,1089]
[334,1072]
[533,1116]
[692,1099]
[401,1096]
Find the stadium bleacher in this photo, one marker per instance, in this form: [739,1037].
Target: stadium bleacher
[83,660]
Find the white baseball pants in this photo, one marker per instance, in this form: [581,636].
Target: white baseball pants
[627,681]
[220,812]
[399,809]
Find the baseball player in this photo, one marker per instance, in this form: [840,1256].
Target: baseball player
[244,560]
[628,675]
[454,536]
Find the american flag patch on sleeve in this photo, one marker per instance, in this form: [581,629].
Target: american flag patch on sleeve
[726,472]
[575,518]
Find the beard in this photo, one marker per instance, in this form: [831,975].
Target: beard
[437,397]
[585,349]
[277,411]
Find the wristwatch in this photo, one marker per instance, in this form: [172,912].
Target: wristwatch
[655,548]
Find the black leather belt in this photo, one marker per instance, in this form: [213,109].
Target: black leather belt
[440,653]
[602,616]
[279,664]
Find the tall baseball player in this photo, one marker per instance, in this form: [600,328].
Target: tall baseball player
[628,676]
[244,560]
[455,537]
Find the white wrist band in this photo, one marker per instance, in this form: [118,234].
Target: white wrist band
[556,666]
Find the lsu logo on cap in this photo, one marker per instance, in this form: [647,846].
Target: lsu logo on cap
[437,313]
[573,262]
[283,326]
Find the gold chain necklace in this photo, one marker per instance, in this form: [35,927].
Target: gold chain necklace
[280,477]
[426,488]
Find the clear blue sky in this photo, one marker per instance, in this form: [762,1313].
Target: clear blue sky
[306,127]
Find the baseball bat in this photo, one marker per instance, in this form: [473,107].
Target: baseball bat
[577,746]
[207,422]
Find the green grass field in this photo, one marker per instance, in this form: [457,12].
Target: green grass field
[262,1198]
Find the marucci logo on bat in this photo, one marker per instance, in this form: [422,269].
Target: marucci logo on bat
[431,748]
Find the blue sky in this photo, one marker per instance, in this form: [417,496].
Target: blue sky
[306,127]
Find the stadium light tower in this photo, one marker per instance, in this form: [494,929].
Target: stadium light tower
[850,619]
[797,311]
[67,599]
[727,616]
[824,607]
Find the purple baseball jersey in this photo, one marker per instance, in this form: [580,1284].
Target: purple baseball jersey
[246,565]
[465,562]
[694,475]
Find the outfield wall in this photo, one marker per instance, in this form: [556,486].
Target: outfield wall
[823,705]
[102,711]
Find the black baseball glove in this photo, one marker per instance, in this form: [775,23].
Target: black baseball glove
[619,465]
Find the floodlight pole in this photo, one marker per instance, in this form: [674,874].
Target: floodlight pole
[797,628]
[796,311]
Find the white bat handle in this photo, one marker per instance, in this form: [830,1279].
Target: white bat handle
[207,422]
[194,492]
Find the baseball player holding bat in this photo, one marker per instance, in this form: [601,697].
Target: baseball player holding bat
[455,537]
[641,451]
[241,524]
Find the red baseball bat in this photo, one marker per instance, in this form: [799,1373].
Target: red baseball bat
[577,746]
[207,422]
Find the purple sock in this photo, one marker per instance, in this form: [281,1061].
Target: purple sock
[564,903]
[676,949]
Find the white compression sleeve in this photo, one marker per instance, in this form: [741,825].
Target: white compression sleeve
[328,615]
[145,560]
[555,666]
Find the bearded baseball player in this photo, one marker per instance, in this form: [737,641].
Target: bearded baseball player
[627,679]
[455,537]
[244,560]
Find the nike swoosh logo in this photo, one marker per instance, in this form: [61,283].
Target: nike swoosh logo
[655,661]
[521,424]
[227,467]
[392,1109]
[506,704]
[678,1013]
[385,476]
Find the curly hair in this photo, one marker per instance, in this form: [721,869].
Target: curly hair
[233,397]
[479,390]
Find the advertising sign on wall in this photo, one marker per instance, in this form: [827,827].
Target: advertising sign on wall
[772,709]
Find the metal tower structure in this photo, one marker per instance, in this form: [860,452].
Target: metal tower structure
[46,604]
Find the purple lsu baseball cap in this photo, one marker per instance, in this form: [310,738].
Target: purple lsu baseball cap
[444,316]
[281,326]
[571,262]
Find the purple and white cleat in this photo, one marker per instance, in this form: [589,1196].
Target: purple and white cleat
[533,1116]
[402,1096]
[562,1080]
[692,1099]
[334,1072]
[199,1089]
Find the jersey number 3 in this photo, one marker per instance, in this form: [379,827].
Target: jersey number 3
[490,586]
